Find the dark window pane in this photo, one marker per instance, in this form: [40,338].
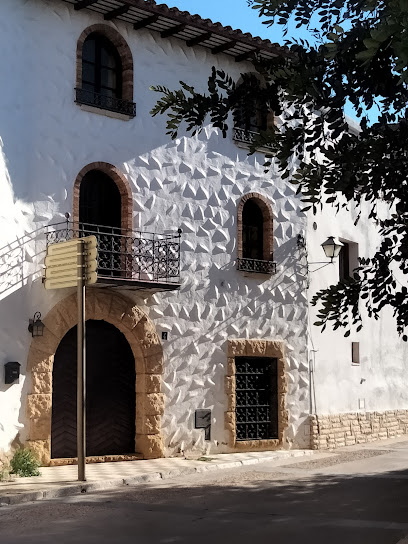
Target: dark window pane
[101,66]
[108,58]
[88,50]
[108,78]
[252,231]
[88,87]
[344,262]
[88,73]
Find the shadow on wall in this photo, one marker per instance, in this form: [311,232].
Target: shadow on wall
[21,261]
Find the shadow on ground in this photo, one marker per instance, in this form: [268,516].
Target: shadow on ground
[236,506]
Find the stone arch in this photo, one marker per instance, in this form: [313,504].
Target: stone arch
[124,189]
[142,337]
[123,50]
[267,214]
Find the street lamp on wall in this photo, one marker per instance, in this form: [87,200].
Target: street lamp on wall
[332,248]
[36,326]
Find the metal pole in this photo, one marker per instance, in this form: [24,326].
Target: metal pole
[81,366]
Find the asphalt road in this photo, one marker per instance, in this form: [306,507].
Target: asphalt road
[357,497]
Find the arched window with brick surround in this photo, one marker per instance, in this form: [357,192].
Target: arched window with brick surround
[104,77]
[255,235]
[103,207]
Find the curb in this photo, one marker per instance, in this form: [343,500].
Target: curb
[78,489]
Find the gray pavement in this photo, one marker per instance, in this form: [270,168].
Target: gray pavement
[355,496]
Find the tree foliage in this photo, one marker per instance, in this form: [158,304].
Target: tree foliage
[361,57]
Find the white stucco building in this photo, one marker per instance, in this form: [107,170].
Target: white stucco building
[216,317]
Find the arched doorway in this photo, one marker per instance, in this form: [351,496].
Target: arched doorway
[100,211]
[110,392]
[99,200]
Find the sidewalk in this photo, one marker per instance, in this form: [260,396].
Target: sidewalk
[61,481]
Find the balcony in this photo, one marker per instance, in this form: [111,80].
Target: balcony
[110,103]
[129,260]
[247,137]
[256,266]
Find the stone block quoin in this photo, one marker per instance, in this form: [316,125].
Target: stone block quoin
[147,350]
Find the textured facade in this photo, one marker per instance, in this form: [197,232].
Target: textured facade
[195,184]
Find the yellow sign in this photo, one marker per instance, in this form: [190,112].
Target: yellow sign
[70,259]
[71,246]
[62,263]
[63,283]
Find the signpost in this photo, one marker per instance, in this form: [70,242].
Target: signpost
[74,264]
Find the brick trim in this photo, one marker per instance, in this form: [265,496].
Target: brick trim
[122,183]
[267,214]
[124,52]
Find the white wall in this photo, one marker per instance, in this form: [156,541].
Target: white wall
[380,378]
[192,183]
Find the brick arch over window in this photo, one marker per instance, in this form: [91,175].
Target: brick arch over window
[267,216]
[124,189]
[123,50]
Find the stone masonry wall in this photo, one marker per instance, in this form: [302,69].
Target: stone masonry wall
[335,431]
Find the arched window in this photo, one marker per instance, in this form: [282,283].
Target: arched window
[101,67]
[255,235]
[104,77]
[254,111]
[103,207]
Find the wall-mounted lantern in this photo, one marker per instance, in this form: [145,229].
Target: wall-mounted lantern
[36,326]
[332,247]
[11,372]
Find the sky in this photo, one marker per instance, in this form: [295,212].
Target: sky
[238,15]
[234,13]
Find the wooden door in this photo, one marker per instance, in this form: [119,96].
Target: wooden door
[110,393]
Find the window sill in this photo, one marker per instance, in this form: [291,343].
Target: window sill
[105,113]
[256,266]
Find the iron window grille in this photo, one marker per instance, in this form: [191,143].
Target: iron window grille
[247,137]
[101,101]
[256,398]
[256,266]
[127,255]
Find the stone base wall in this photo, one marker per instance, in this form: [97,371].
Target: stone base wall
[335,431]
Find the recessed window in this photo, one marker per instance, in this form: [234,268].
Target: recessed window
[105,72]
[255,235]
[252,231]
[256,398]
[348,259]
[355,353]
[253,114]
[101,67]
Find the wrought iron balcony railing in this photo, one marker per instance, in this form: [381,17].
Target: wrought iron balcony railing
[128,258]
[256,266]
[247,137]
[118,105]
